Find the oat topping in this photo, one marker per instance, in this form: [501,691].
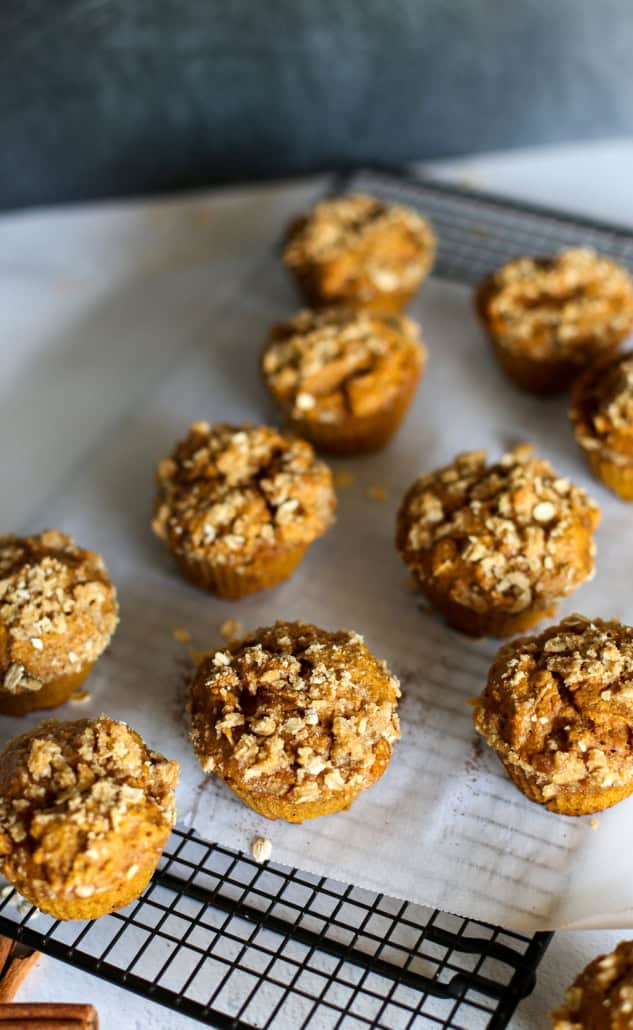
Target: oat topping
[507,534]
[293,711]
[561,704]
[228,493]
[58,609]
[573,305]
[76,798]
[602,409]
[337,227]
[328,364]
[602,995]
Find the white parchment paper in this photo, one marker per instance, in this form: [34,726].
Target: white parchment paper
[119,325]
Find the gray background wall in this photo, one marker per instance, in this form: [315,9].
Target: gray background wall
[104,97]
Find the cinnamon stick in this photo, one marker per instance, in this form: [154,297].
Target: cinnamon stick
[48,1016]
[15,973]
[6,947]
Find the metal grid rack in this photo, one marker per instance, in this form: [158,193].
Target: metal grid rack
[238,945]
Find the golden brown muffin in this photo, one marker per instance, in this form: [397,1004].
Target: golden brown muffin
[550,318]
[238,506]
[602,417]
[296,720]
[58,611]
[601,997]
[344,378]
[494,547]
[558,710]
[360,251]
[85,812]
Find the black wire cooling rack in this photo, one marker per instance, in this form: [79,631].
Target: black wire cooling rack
[239,945]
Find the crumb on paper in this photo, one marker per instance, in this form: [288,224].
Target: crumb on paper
[343,478]
[480,231]
[594,823]
[231,629]
[182,635]
[80,697]
[377,492]
[469,182]
[6,891]
[261,849]
[411,585]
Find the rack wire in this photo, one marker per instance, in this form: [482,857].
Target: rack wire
[239,945]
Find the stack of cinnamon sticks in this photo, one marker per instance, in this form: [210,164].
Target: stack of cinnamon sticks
[14,968]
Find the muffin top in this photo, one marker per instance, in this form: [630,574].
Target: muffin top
[292,711]
[501,535]
[58,609]
[397,242]
[560,704]
[79,802]
[602,995]
[602,408]
[570,306]
[228,493]
[327,365]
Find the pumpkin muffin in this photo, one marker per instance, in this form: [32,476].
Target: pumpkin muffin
[550,318]
[602,416]
[238,506]
[494,547]
[360,251]
[344,378]
[85,812]
[296,720]
[558,710]
[601,997]
[58,611]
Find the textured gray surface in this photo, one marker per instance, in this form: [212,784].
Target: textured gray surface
[105,97]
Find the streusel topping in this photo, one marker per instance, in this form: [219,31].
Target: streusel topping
[293,710]
[58,609]
[602,408]
[230,492]
[602,995]
[336,227]
[325,365]
[74,795]
[560,704]
[564,306]
[506,534]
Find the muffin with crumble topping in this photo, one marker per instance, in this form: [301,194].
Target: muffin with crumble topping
[494,547]
[238,506]
[602,416]
[296,720]
[558,710]
[344,378]
[601,997]
[85,811]
[550,318]
[360,251]
[58,611]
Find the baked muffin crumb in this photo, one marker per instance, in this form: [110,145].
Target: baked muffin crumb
[489,542]
[295,719]
[58,611]
[84,805]
[234,497]
[602,995]
[357,249]
[558,710]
